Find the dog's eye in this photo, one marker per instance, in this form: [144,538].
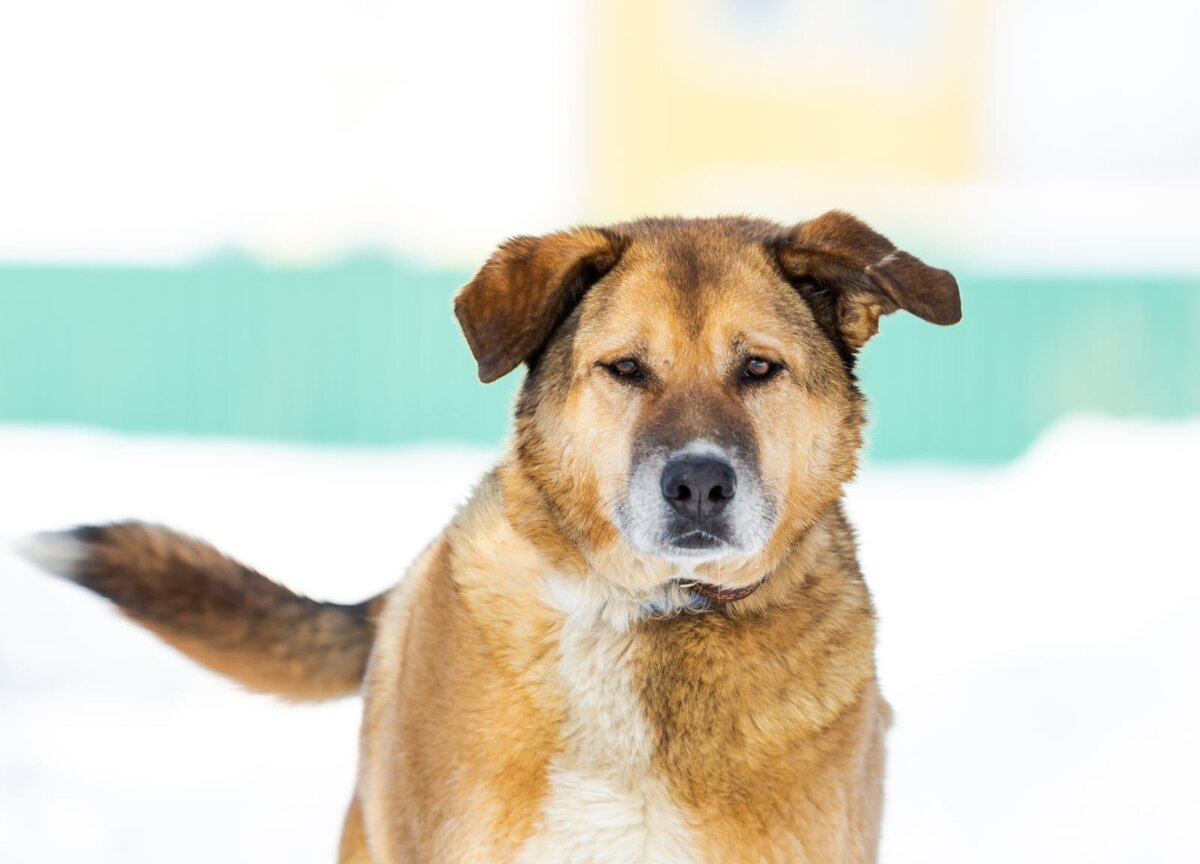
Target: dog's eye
[626,370]
[757,369]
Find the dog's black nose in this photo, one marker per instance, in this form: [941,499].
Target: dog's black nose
[698,487]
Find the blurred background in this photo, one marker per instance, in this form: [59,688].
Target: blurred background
[248,218]
[229,237]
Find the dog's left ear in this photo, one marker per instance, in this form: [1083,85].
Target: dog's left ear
[869,276]
[525,290]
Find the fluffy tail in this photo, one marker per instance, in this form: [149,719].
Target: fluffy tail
[220,613]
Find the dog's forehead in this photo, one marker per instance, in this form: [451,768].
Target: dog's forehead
[695,281]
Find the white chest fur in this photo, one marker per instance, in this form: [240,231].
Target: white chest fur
[604,805]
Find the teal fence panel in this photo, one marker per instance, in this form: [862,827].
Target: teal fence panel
[366,351]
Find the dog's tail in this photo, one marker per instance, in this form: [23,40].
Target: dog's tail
[220,613]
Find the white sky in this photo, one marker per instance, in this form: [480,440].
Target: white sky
[141,128]
[144,130]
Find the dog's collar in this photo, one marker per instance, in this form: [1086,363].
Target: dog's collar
[701,596]
[717,595]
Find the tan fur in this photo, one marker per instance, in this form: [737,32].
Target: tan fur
[527,698]
[459,721]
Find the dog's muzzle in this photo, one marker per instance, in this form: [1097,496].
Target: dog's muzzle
[698,489]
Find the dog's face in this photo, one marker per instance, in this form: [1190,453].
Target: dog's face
[701,385]
[690,402]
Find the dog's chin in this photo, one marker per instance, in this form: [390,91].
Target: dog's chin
[686,545]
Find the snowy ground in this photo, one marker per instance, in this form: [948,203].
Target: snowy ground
[1039,640]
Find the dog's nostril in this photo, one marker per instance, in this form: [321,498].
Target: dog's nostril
[683,493]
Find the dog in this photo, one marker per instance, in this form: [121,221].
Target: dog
[646,636]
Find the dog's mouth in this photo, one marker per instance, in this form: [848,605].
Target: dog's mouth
[697,540]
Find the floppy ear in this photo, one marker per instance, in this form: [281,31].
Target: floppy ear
[508,311]
[868,275]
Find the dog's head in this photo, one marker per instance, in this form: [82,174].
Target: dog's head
[690,402]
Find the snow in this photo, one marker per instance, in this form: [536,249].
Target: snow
[1037,641]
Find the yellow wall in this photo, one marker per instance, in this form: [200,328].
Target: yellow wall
[688,108]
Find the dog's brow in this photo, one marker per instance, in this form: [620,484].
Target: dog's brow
[743,341]
[614,348]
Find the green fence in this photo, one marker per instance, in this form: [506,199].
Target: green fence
[366,351]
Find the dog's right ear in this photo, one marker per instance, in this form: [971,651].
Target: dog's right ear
[525,290]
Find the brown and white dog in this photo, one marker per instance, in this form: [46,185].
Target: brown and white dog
[646,636]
